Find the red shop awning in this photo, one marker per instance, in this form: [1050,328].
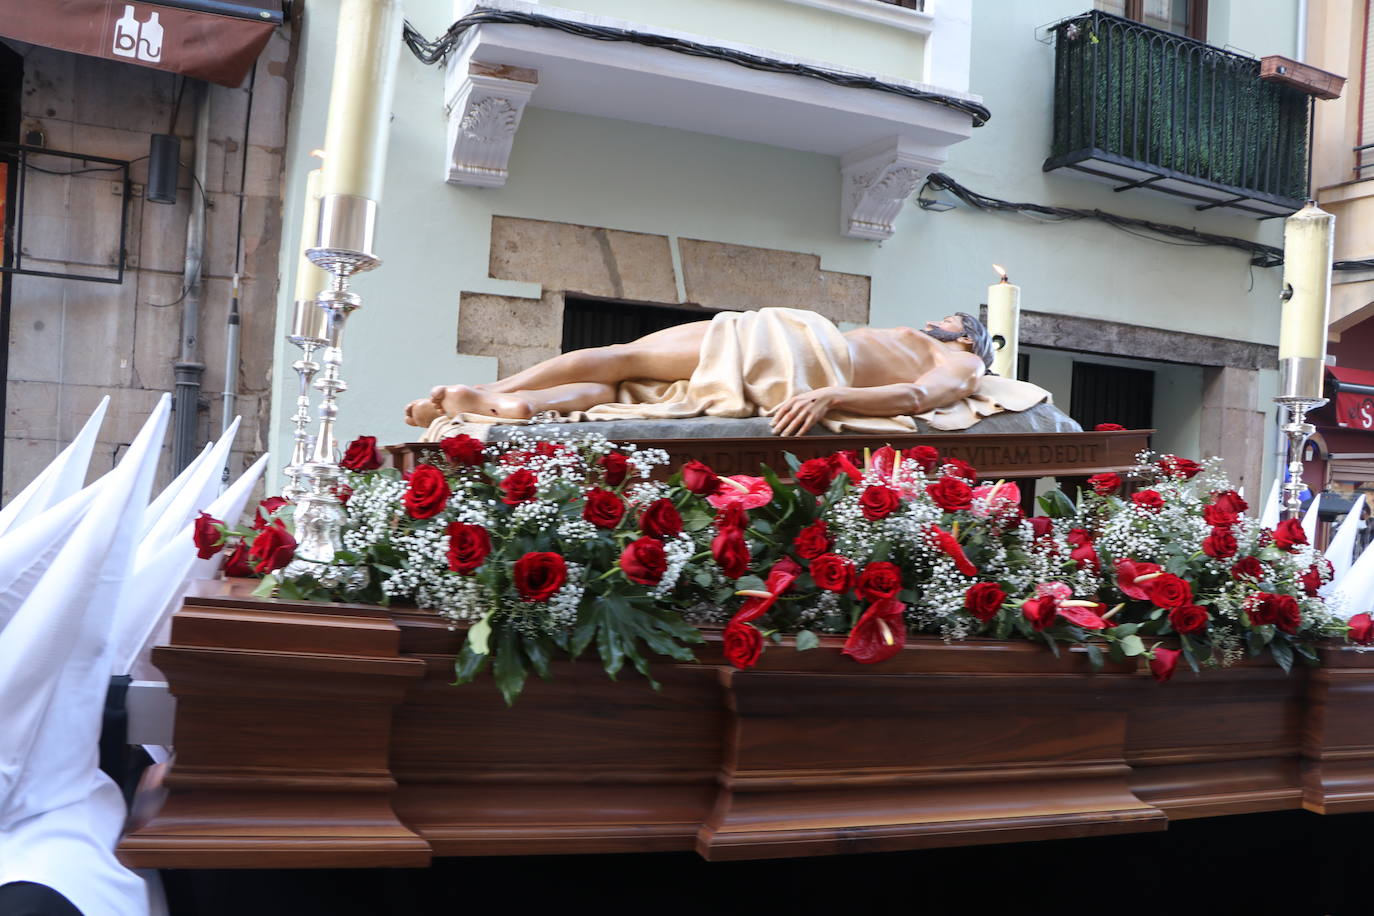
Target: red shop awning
[1354,400]
[215,40]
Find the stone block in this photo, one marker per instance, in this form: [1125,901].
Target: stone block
[113,94]
[583,259]
[221,229]
[32,410]
[485,321]
[35,344]
[1231,426]
[157,339]
[98,333]
[1113,338]
[113,142]
[24,460]
[717,275]
[96,214]
[162,234]
[49,84]
[265,171]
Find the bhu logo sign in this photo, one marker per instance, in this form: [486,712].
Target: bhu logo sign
[139,40]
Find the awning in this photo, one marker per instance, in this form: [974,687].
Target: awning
[1354,401]
[215,40]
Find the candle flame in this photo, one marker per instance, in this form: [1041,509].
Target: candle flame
[317,153]
[1001,271]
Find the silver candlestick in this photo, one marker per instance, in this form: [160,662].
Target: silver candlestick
[1300,390]
[309,331]
[344,247]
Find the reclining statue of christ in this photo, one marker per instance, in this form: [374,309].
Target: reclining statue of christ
[791,365]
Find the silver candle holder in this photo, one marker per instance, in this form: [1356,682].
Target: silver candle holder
[309,331]
[343,248]
[1300,391]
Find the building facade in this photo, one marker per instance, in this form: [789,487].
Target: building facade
[541,183]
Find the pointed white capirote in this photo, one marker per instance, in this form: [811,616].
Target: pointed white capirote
[60,479]
[1310,519]
[1269,515]
[1355,590]
[1342,547]
[198,493]
[163,501]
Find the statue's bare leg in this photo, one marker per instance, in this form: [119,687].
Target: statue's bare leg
[666,355]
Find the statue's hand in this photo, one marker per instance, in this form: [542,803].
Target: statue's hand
[797,414]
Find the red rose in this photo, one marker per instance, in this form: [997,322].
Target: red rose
[1150,500]
[273,548]
[1105,484]
[539,575]
[816,475]
[1041,526]
[958,467]
[1169,591]
[833,572]
[1089,618]
[926,456]
[1189,618]
[1083,550]
[1219,516]
[1231,501]
[462,449]
[878,581]
[207,536]
[362,455]
[237,564]
[879,634]
[984,600]
[1220,544]
[519,487]
[1163,662]
[661,519]
[879,502]
[1127,571]
[731,552]
[812,541]
[1108,428]
[950,493]
[426,493]
[1247,568]
[266,509]
[743,644]
[603,509]
[468,547]
[1361,629]
[1311,581]
[1179,468]
[1288,535]
[644,561]
[616,466]
[343,493]
[949,545]
[1041,612]
[1280,610]
[699,479]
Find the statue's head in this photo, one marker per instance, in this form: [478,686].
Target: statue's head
[963,328]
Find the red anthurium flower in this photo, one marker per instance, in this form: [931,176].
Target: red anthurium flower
[743,644]
[1041,612]
[1127,571]
[996,499]
[206,534]
[844,462]
[949,545]
[740,490]
[1361,629]
[1163,662]
[879,634]
[780,579]
[1086,614]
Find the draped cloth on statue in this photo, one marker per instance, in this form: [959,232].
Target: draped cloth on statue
[753,361]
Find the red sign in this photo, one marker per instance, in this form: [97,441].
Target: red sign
[1355,411]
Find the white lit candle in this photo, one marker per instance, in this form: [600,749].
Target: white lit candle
[359,121]
[309,318]
[1004,318]
[1307,248]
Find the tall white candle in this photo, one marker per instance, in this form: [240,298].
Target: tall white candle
[1004,318]
[1308,236]
[359,121]
[309,318]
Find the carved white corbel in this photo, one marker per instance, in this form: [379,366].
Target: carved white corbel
[485,103]
[876,180]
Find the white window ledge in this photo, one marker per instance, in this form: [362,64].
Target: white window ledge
[897,17]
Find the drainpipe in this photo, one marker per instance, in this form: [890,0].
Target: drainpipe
[1300,54]
[188,368]
[231,360]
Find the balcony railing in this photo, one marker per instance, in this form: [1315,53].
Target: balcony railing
[1150,109]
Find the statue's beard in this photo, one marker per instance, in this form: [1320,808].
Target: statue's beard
[944,336]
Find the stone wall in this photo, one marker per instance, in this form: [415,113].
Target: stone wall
[636,268]
[72,342]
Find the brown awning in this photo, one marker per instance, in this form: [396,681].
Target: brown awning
[215,40]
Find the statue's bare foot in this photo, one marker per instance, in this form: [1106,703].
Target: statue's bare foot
[456,399]
[422,412]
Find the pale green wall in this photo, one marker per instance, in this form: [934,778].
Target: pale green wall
[434,237]
[802,31]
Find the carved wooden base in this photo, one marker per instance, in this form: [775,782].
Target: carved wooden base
[329,736]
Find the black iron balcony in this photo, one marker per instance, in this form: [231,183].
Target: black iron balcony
[1145,108]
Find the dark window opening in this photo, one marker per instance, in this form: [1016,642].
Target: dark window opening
[917,5]
[1112,394]
[1181,17]
[599,322]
